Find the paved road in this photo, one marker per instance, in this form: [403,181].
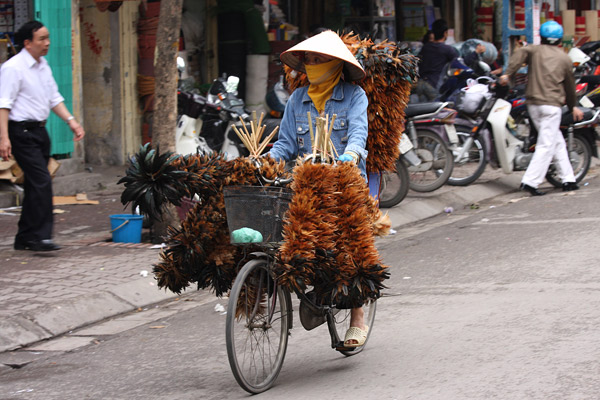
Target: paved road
[43,295]
[495,302]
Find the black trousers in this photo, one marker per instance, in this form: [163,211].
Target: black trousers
[31,149]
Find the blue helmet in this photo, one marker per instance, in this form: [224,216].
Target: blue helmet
[551,31]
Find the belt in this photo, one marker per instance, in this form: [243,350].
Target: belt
[28,124]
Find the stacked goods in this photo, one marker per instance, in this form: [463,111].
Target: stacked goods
[391,71]
[200,250]
[329,233]
[328,236]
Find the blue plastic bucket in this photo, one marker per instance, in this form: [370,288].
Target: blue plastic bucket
[126,228]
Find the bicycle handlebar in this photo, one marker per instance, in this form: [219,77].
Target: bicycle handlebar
[277,181]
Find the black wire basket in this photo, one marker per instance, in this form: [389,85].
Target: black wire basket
[261,208]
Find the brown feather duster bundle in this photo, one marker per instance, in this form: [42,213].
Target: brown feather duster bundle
[310,228]
[200,251]
[390,73]
[328,236]
[360,274]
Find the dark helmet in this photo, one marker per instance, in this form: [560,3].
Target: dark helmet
[551,31]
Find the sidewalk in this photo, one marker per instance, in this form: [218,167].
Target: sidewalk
[43,295]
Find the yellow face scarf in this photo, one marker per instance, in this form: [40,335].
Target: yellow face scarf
[323,78]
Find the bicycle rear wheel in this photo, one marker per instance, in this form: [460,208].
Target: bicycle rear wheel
[257,327]
[341,322]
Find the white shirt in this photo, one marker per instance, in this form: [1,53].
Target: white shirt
[28,88]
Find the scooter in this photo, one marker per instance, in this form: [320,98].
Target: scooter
[205,124]
[190,107]
[504,149]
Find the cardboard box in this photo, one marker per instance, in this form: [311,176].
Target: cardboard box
[11,171]
[6,171]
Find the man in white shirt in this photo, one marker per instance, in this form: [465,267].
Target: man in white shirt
[28,92]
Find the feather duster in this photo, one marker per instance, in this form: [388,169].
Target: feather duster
[328,236]
[200,251]
[310,225]
[360,274]
[152,181]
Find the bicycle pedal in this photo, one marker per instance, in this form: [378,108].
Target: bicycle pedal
[340,347]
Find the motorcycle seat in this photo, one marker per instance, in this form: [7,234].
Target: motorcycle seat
[567,117]
[413,110]
[594,80]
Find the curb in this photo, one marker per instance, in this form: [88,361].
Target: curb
[63,316]
[427,205]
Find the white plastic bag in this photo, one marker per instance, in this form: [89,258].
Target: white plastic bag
[473,97]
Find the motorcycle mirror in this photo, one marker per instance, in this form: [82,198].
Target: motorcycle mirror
[180,63]
[484,67]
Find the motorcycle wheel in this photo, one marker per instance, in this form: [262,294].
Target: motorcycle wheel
[581,158]
[472,164]
[394,186]
[436,163]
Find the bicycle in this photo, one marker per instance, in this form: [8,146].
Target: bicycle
[259,312]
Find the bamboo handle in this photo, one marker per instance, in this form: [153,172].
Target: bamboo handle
[242,138]
[267,140]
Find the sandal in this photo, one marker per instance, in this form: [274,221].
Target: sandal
[357,334]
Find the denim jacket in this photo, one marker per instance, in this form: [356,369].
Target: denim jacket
[349,102]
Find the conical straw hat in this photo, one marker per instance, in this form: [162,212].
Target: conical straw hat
[327,43]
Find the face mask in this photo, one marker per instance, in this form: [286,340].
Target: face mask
[323,78]
[320,73]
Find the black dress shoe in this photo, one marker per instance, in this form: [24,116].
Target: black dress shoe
[568,186]
[533,191]
[37,245]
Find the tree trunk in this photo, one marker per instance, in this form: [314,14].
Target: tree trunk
[165,73]
[165,94]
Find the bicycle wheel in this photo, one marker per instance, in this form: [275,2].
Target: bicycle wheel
[471,164]
[394,186]
[257,327]
[436,163]
[341,322]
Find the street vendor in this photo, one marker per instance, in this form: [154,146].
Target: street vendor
[329,66]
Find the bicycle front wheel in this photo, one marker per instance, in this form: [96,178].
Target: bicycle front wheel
[341,322]
[257,327]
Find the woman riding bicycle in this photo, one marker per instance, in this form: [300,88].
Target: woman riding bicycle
[326,60]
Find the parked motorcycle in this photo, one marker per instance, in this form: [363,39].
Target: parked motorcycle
[430,127]
[425,161]
[395,185]
[493,141]
[205,124]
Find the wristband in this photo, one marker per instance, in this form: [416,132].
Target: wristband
[70,118]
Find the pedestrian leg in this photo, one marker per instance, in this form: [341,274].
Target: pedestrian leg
[31,149]
[547,121]
[562,161]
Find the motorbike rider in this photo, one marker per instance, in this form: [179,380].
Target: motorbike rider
[550,83]
[434,56]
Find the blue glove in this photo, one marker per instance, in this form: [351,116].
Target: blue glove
[346,158]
